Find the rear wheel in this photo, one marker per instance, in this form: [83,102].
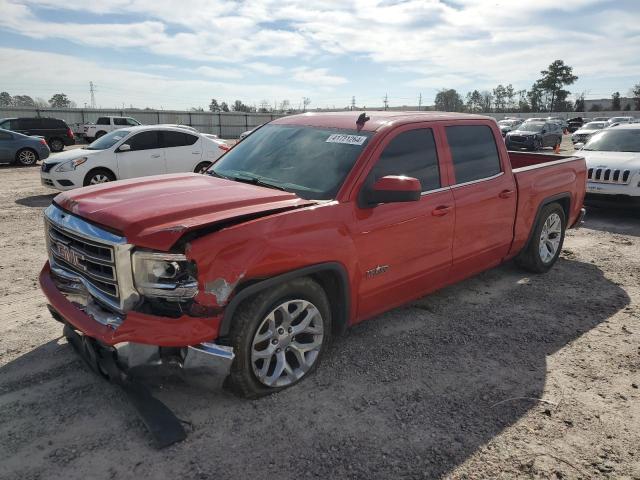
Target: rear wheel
[98,176]
[56,145]
[545,245]
[26,157]
[279,337]
[202,167]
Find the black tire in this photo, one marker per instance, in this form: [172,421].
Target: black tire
[531,258]
[249,317]
[99,134]
[26,157]
[537,145]
[98,176]
[56,144]
[202,167]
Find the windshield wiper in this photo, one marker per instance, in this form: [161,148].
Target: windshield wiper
[255,180]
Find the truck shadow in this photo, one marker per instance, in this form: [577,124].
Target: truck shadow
[39,201]
[412,393]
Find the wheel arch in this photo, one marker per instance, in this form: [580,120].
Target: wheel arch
[563,199]
[331,276]
[94,169]
[21,149]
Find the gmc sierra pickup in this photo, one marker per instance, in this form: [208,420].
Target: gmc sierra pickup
[313,223]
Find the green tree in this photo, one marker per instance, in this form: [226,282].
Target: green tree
[579,104]
[536,97]
[627,107]
[615,101]
[474,101]
[554,78]
[500,98]
[23,101]
[213,106]
[224,107]
[449,100]
[636,95]
[5,99]
[60,100]
[238,106]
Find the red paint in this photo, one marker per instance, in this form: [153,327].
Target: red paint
[396,183]
[447,235]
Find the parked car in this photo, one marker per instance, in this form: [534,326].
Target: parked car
[620,120]
[509,124]
[574,124]
[105,125]
[588,129]
[130,153]
[177,125]
[534,135]
[563,122]
[599,119]
[22,149]
[312,224]
[55,131]
[613,163]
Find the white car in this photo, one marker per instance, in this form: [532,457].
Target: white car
[619,120]
[130,153]
[584,132]
[613,161]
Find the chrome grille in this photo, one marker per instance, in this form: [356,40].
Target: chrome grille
[609,175]
[92,257]
[92,260]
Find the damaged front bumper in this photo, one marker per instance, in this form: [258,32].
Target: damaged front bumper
[137,341]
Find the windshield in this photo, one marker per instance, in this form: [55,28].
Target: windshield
[618,119]
[108,140]
[310,162]
[531,127]
[618,140]
[594,126]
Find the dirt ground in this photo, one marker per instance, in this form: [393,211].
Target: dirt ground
[505,375]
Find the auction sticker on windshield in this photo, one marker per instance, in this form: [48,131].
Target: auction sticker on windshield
[348,139]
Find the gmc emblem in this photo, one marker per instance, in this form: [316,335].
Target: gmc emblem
[69,256]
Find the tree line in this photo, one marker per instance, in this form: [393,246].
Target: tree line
[59,100]
[547,94]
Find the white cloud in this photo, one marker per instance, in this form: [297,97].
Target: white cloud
[222,73]
[317,76]
[265,68]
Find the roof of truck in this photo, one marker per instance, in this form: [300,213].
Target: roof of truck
[377,119]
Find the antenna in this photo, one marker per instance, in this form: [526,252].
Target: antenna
[386,101]
[92,91]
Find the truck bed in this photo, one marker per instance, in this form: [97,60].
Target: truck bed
[540,176]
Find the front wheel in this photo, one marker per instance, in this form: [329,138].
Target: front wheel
[545,245]
[279,337]
[98,176]
[202,167]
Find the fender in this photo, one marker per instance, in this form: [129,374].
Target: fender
[544,203]
[340,306]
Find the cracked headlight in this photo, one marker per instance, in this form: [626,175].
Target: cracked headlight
[164,275]
[71,165]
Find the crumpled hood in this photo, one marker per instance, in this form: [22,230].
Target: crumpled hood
[621,160]
[154,212]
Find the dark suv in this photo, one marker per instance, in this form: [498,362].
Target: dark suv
[534,135]
[55,131]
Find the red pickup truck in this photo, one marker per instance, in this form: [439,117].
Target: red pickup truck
[311,224]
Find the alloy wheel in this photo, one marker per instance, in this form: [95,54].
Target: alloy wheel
[99,178]
[27,157]
[550,237]
[287,343]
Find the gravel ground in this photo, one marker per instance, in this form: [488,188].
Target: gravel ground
[504,375]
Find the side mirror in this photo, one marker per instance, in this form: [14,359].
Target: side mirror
[394,188]
[125,147]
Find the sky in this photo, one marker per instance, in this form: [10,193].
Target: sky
[179,54]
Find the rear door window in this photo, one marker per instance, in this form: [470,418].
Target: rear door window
[177,139]
[103,121]
[120,121]
[145,141]
[29,123]
[412,154]
[473,151]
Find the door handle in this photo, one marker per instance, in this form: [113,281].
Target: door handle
[155,156]
[506,194]
[441,211]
